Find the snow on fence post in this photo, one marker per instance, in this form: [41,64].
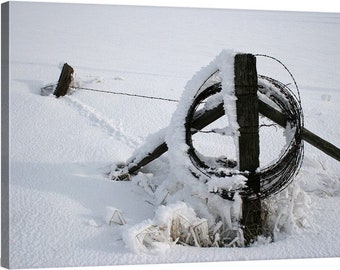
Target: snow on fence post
[64,80]
[247,109]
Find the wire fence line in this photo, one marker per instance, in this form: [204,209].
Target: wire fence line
[49,89]
[124,94]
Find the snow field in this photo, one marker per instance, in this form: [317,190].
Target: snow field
[62,149]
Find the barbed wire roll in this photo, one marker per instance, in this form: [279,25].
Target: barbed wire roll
[279,173]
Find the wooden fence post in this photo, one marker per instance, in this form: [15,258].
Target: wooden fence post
[247,109]
[64,81]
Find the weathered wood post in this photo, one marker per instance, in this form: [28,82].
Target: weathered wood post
[64,81]
[247,109]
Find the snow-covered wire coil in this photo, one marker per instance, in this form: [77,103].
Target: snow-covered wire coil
[275,176]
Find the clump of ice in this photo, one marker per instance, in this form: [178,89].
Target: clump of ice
[288,211]
[159,233]
[177,223]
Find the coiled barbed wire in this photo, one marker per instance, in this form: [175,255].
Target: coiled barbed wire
[276,176]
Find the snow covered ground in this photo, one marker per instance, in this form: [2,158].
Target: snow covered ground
[62,149]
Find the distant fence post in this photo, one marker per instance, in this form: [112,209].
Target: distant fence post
[247,109]
[64,81]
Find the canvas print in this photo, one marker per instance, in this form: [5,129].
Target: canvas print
[145,135]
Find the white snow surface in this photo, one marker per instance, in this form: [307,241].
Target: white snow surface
[62,150]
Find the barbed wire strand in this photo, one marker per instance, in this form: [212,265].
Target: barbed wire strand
[123,93]
[51,88]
